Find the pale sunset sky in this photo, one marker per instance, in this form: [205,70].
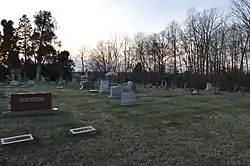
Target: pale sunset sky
[89,21]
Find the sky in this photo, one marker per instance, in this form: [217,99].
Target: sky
[85,22]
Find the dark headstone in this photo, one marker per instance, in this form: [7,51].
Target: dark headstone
[30,101]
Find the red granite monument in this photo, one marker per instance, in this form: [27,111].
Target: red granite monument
[30,104]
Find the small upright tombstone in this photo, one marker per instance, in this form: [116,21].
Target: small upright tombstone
[131,86]
[43,79]
[216,89]
[104,87]
[60,82]
[209,86]
[115,92]
[14,83]
[31,83]
[128,98]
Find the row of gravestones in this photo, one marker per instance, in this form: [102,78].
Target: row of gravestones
[17,83]
[29,82]
[127,98]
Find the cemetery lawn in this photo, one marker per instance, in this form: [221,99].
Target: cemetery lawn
[166,128]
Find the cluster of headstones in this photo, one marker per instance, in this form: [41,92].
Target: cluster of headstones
[17,83]
[127,98]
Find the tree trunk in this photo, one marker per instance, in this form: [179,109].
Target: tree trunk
[38,70]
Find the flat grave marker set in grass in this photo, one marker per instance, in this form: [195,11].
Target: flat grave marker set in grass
[82,130]
[88,130]
[30,104]
[17,139]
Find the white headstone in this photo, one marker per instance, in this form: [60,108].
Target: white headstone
[216,89]
[60,82]
[14,83]
[31,83]
[104,86]
[209,86]
[129,85]
[43,79]
[115,92]
[128,98]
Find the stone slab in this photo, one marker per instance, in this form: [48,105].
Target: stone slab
[30,101]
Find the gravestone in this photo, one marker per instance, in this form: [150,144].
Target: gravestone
[43,79]
[104,87]
[31,83]
[115,92]
[14,83]
[30,104]
[216,89]
[209,86]
[131,86]
[87,85]
[60,82]
[128,98]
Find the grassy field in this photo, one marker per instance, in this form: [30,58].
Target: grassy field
[166,128]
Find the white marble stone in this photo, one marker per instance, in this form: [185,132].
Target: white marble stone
[129,84]
[43,79]
[128,98]
[31,83]
[104,86]
[209,86]
[14,83]
[115,92]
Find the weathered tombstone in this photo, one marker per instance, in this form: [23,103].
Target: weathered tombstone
[115,92]
[209,86]
[104,87]
[43,79]
[30,104]
[216,89]
[14,83]
[131,86]
[87,85]
[128,98]
[60,82]
[31,83]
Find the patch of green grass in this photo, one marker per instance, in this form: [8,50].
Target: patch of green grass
[165,128]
